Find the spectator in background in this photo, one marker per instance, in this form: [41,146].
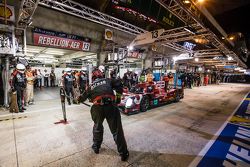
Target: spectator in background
[68,84]
[46,78]
[166,80]
[39,78]
[134,78]
[30,86]
[206,79]
[52,78]
[35,79]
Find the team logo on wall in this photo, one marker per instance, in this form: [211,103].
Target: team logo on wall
[108,34]
[9,12]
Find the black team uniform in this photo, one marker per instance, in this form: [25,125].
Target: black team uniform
[68,80]
[18,84]
[101,94]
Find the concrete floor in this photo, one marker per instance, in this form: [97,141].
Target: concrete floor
[171,135]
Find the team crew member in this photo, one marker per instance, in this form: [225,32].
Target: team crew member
[100,92]
[83,80]
[150,77]
[18,84]
[68,83]
[30,86]
[166,80]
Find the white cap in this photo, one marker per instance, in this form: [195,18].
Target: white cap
[68,70]
[101,68]
[20,66]
[84,68]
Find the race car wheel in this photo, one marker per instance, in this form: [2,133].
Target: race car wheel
[177,97]
[144,104]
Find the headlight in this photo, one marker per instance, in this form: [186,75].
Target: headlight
[129,103]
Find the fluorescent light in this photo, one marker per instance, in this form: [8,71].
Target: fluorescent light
[229,58]
[33,50]
[196,59]
[130,48]
[188,30]
[55,53]
[186,1]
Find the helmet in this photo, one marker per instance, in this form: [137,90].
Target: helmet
[20,67]
[101,68]
[84,69]
[96,74]
[68,70]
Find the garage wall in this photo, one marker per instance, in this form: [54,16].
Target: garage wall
[58,21]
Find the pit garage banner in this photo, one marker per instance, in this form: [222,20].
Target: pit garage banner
[49,38]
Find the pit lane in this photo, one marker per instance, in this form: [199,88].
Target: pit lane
[170,135]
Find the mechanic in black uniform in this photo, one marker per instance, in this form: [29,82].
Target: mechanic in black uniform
[101,94]
[68,83]
[18,84]
[83,80]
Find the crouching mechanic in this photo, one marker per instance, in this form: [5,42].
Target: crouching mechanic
[101,94]
[18,84]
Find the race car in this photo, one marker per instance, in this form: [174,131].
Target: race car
[147,95]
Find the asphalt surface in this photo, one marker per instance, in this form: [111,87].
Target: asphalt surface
[171,135]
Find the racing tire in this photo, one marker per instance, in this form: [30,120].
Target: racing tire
[177,98]
[144,105]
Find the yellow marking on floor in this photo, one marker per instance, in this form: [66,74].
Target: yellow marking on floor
[239,119]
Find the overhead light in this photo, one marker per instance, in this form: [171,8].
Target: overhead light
[208,70]
[229,58]
[189,29]
[200,1]
[196,59]
[231,38]
[33,50]
[186,1]
[130,48]
[55,53]
[30,23]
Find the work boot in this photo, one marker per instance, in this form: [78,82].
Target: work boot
[20,110]
[23,108]
[69,103]
[95,149]
[125,156]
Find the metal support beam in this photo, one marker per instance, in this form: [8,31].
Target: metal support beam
[79,10]
[191,16]
[6,84]
[26,11]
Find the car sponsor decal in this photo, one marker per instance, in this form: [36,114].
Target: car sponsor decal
[232,145]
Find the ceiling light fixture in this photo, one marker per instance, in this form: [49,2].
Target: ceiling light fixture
[200,1]
[186,1]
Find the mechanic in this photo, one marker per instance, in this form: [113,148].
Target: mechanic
[68,83]
[150,77]
[18,84]
[83,80]
[101,94]
[166,80]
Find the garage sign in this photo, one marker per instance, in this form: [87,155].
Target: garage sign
[49,38]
